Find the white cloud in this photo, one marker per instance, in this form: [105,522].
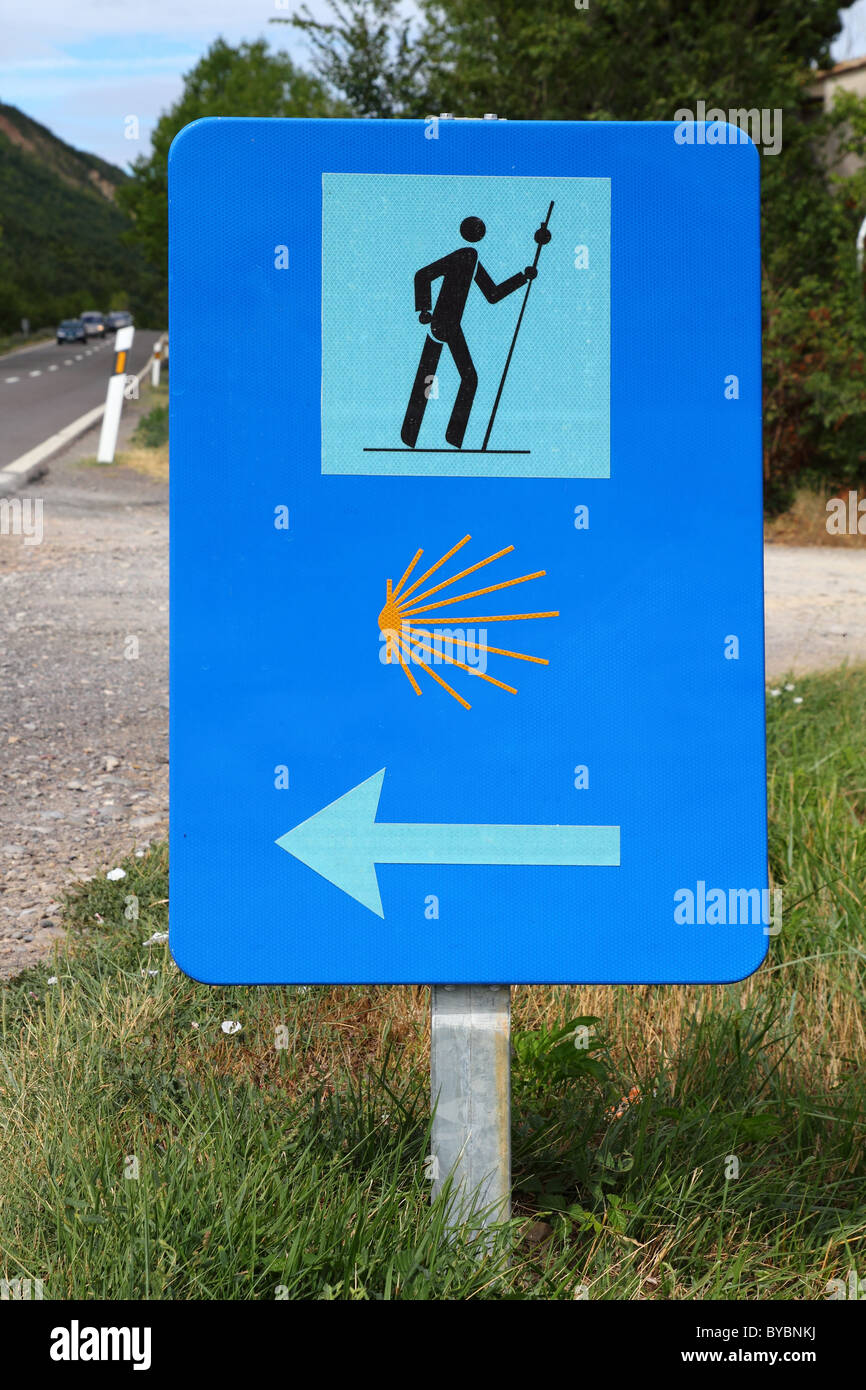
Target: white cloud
[851,43]
[106,59]
[24,33]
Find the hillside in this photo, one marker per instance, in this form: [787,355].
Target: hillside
[60,229]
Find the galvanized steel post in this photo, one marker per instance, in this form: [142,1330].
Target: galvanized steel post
[470,1073]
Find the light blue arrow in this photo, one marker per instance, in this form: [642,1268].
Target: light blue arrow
[344,842]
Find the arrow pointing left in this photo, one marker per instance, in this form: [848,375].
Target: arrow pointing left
[344,842]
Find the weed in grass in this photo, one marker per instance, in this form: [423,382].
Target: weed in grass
[151,432]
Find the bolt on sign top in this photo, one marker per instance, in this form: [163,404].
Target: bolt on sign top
[467,612]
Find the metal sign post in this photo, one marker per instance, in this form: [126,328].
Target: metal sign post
[470,1084]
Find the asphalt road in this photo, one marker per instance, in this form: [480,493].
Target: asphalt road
[45,388]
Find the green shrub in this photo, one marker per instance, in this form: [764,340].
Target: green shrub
[151,431]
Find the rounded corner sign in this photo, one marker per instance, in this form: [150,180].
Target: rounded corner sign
[467,608]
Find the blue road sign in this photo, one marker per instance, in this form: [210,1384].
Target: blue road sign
[467,609]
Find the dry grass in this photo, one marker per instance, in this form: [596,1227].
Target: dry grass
[352,1030]
[805,523]
[347,1031]
[152,462]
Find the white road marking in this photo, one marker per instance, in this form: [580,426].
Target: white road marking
[39,373]
[53,368]
[78,356]
[23,465]
[68,362]
[10,379]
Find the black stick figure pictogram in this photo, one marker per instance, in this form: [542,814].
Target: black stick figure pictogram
[457,272]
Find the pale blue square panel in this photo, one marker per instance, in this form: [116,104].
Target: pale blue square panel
[467,674]
[378,232]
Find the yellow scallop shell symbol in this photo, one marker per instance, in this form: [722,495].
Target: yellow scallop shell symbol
[411,626]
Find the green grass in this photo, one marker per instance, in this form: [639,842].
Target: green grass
[298,1171]
[12,342]
[152,429]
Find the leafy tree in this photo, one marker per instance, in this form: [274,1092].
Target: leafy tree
[615,59]
[249,80]
[368,56]
[623,59]
[645,60]
[815,331]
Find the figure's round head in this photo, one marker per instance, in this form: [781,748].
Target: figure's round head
[472,229]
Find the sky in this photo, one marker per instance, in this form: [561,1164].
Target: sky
[81,67]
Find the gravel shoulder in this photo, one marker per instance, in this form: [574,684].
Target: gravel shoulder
[815,608]
[83,689]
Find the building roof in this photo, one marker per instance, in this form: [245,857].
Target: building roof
[850,65]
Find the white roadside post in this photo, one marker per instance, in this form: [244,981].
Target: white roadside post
[114,397]
[470,1075]
[156,363]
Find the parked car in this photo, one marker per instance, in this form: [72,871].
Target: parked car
[94,323]
[71,331]
[120,318]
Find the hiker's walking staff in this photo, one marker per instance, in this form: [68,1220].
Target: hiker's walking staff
[514,339]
